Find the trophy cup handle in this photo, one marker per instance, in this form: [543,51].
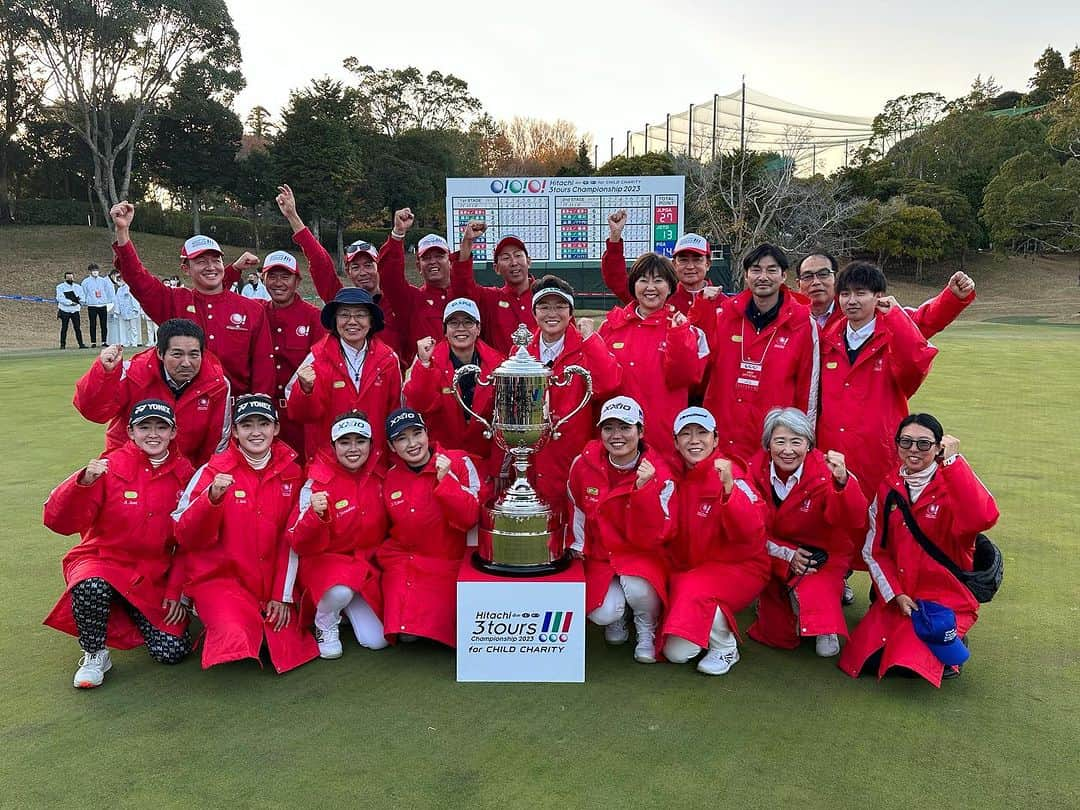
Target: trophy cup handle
[489,431]
[569,371]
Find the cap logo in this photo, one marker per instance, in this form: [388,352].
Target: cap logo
[404,415]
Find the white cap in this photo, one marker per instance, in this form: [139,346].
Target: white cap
[343,427]
[546,291]
[465,305]
[281,258]
[625,409]
[691,243]
[432,240]
[694,416]
[197,245]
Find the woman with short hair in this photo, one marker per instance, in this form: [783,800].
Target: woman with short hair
[335,529]
[661,354]
[814,507]
[950,506]
[718,554]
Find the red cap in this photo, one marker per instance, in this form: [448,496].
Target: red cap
[510,239]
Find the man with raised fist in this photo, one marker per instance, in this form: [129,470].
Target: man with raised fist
[235,327]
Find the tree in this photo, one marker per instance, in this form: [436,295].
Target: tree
[649,164]
[1051,78]
[1064,133]
[317,152]
[908,231]
[197,138]
[582,165]
[979,97]
[541,147]
[907,114]
[396,100]
[1033,205]
[99,53]
[259,123]
[22,86]
[256,183]
[490,149]
[955,210]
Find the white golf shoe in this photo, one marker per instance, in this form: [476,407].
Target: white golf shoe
[92,669]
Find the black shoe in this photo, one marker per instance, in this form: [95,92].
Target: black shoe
[951,673]
[92,346]
[83,346]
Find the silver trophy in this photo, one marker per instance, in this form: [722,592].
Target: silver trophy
[519,536]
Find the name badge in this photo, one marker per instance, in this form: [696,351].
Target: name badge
[131,494]
[504,304]
[618,345]
[736,338]
[830,365]
[240,494]
[190,307]
[342,503]
[395,495]
[747,365]
[339,384]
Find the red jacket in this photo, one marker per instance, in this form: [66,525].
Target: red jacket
[242,538]
[816,512]
[335,392]
[339,549]
[501,309]
[951,511]
[931,316]
[862,405]
[236,328]
[751,373]
[621,530]
[431,522]
[552,463]
[127,538]
[660,364]
[202,409]
[419,309]
[327,282]
[430,391]
[617,278]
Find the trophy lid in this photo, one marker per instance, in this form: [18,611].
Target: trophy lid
[521,363]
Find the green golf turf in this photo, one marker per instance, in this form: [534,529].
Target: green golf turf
[393,728]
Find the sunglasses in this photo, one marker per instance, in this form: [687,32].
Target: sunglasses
[362,247]
[906,443]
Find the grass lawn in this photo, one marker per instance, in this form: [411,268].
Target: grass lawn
[394,729]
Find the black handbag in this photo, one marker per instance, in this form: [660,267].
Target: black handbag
[988,565]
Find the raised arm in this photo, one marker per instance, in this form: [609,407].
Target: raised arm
[150,291]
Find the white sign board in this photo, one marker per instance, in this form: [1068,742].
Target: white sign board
[565,218]
[521,630]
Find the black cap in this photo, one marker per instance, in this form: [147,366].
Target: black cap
[351,296]
[254,405]
[152,409]
[403,418]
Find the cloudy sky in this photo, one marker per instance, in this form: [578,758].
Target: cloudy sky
[609,67]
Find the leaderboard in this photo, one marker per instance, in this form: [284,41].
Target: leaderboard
[565,218]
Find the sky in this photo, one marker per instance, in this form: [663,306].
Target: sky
[610,67]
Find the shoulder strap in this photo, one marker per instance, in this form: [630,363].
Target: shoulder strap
[894,498]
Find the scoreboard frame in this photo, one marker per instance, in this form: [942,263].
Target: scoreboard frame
[564,219]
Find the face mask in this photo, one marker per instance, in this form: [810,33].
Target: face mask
[94,273]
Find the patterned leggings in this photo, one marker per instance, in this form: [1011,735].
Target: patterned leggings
[91,601]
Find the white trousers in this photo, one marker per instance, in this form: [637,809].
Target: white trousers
[151,331]
[130,331]
[633,591]
[678,650]
[365,624]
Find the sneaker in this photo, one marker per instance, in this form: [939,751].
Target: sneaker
[848,597]
[951,672]
[329,641]
[718,661]
[827,645]
[92,669]
[617,632]
[645,650]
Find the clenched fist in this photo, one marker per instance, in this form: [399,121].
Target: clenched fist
[112,356]
[586,326]
[723,468]
[474,230]
[94,470]
[677,319]
[961,284]
[403,220]
[425,347]
[221,482]
[122,213]
[305,375]
[247,261]
[886,304]
[442,467]
[320,503]
[834,460]
[616,222]
[645,473]
[950,446]
[710,293]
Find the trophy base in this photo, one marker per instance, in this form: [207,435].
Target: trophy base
[500,569]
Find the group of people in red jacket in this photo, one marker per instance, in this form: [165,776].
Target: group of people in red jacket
[281,470]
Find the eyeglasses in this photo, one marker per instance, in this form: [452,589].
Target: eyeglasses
[550,308]
[820,275]
[359,317]
[906,443]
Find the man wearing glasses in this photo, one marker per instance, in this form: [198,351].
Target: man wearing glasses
[763,351]
[816,274]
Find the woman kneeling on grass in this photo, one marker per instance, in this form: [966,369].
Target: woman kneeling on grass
[950,506]
[241,571]
[815,508]
[718,554]
[432,499]
[336,528]
[619,493]
[123,580]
